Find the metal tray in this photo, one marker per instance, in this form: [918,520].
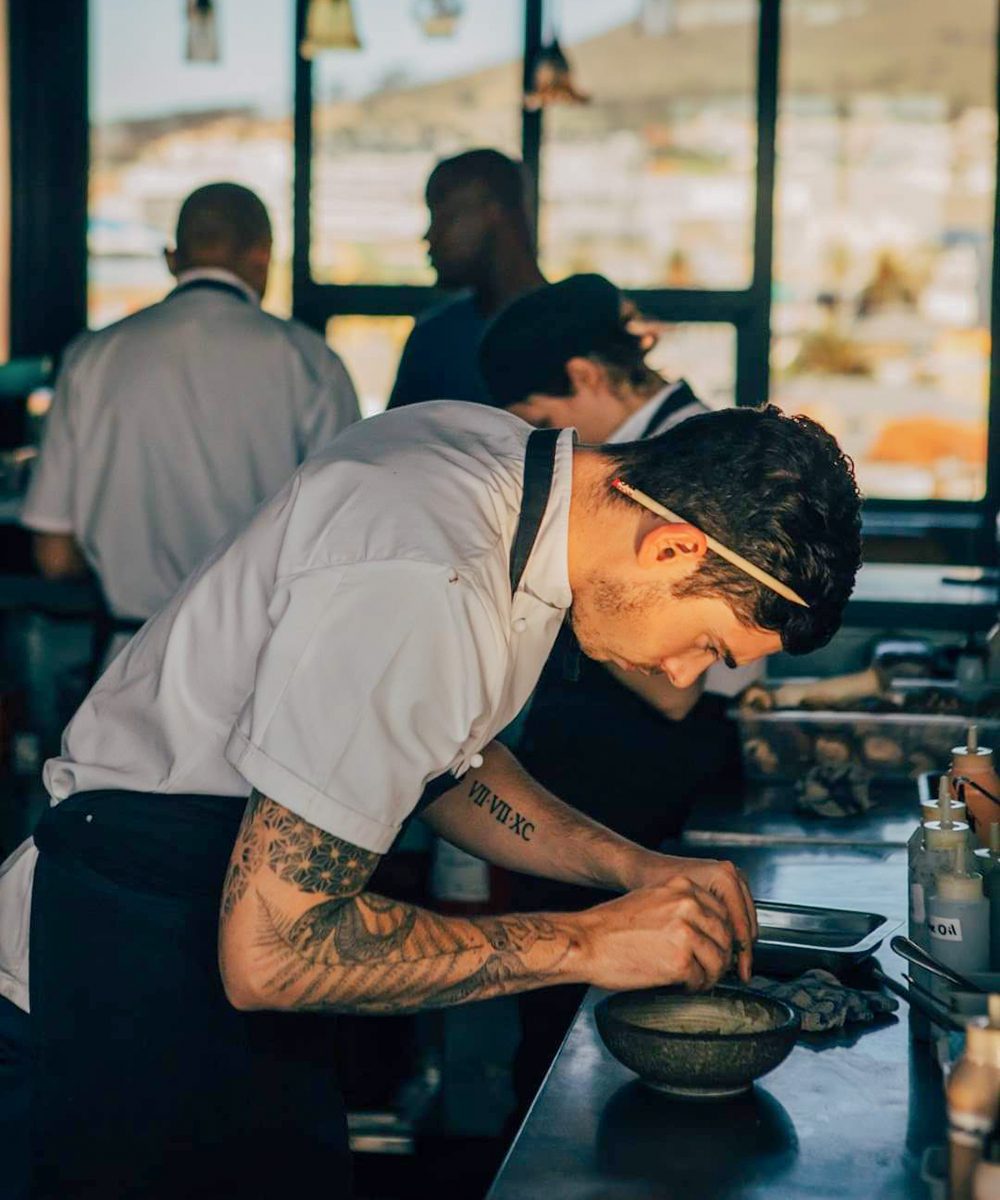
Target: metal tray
[795,937]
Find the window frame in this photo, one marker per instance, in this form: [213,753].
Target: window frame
[49,234]
[964,528]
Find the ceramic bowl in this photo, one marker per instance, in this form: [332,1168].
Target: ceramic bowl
[701,1047]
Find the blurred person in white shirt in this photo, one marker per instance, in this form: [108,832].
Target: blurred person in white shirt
[170,427]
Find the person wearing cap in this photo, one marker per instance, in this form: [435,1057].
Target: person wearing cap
[168,428]
[598,736]
[479,243]
[196,901]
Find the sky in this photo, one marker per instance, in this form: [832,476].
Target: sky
[138,67]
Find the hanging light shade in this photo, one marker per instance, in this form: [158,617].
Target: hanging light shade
[202,32]
[552,80]
[438,18]
[329,26]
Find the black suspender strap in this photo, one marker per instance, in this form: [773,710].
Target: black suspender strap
[679,398]
[213,285]
[539,465]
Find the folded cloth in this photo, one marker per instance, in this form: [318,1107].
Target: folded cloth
[823,1002]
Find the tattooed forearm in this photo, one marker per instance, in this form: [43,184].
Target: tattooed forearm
[500,810]
[369,954]
[298,931]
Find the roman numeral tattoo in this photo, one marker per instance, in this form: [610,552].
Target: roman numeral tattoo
[501,811]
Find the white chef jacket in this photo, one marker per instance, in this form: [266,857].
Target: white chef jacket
[168,428]
[719,679]
[354,640]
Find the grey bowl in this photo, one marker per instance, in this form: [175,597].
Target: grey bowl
[700,1047]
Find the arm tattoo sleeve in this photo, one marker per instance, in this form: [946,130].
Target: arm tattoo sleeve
[370,954]
[299,853]
[354,950]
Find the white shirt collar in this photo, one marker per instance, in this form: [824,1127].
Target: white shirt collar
[220,275]
[632,428]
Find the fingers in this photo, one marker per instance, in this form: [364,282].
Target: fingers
[731,886]
[682,886]
[744,956]
[696,911]
[697,979]
[704,936]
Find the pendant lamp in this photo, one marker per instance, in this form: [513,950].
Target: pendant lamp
[329,26]
[552,79]
[202,32]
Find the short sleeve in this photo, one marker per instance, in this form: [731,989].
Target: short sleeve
[332,406]
[48,503]
[368,686]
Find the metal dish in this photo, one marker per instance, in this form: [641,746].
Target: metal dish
[796,937]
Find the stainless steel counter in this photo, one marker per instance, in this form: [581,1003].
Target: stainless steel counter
[846,1115]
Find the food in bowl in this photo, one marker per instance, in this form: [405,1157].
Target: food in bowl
[697,1046]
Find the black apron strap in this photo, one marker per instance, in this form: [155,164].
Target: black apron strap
[539,466]
[214,285]
[679,398]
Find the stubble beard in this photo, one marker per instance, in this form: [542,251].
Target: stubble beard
[604,601]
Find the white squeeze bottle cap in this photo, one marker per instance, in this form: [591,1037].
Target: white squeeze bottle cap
[960,755]
[944,804]
[945,834]
[957,885]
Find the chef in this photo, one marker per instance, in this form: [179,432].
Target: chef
[565,356]
[227,788]
[170,427]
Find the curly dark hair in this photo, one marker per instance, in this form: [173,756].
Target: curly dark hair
[775,488]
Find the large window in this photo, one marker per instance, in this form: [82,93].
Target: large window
[884,228]
[162,126]
[652,182]
[864,297]
[385,113]
[702,353]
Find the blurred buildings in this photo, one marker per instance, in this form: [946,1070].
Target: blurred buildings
[887,165]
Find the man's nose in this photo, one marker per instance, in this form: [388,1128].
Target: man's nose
[682,672]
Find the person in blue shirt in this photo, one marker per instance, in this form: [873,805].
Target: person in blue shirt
[479,240]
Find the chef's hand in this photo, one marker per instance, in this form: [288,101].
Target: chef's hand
[725,882]
[676,933]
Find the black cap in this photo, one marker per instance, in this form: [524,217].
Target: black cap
[526,346]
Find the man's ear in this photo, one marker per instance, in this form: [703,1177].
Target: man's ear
[584,374]
[678,541]
[259,255]
[170,258]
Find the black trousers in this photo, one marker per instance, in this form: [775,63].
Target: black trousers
[145,1082]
